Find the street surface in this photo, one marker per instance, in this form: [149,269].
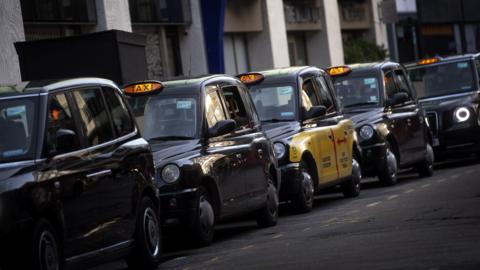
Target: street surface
[431,224]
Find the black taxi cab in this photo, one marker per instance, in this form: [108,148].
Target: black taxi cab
[391,126]
[213,160]
[449,90]
[313,142]
[76,178]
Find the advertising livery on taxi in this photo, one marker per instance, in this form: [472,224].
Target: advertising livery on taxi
[213,161]
[448,89]
[313,141]
[391,125]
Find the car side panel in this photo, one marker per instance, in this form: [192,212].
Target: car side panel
[343,140]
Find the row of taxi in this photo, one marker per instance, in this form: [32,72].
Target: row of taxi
[89,171]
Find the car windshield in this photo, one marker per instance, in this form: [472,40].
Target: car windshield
[165,117]
[17,125]
[274,102]
[443,79]
[357,91]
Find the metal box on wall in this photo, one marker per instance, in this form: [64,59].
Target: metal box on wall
[115,55]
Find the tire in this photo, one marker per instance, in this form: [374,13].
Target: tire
[388,174]
[203,226]
[303,201]
[268,215]
[351,188]
[425,169]
[147,250]
[45,251]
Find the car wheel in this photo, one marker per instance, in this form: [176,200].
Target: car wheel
[303,201]
[268,215]
[425,169]
[147,251]
[351,188]
[45,251]
[204,224]
[388,174]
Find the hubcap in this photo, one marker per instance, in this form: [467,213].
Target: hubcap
[357,174]
[151,229]
[207,217]
[48,252]
[391,164]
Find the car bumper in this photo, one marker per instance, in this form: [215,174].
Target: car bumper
[291,180]
[373,158]
[179,207]
[456,141]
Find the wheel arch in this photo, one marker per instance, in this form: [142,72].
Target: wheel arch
[394,145]
[211,185]
[308,157]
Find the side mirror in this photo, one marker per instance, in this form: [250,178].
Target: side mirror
[398,98]
[315,111]
[221,128]
[64,141]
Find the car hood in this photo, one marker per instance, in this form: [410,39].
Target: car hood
[361,117]
[448,102]
[172,150]
[280,130]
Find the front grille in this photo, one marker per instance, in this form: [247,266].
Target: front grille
[433,122]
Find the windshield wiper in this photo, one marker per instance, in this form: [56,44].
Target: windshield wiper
[167,138]
[276,120]
[360,104]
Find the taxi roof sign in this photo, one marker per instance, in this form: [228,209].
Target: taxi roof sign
[337,71]
[429,61]
[142,88]
[250,78]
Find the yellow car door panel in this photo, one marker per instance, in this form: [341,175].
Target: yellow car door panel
[343,136]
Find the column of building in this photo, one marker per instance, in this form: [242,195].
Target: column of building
[11,31]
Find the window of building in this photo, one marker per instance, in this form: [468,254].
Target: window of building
[93,115]
[59,11]
[297,49]
[160,11]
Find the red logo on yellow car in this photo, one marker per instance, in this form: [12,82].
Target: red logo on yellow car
[340,141]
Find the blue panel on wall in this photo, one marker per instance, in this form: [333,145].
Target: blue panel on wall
[213,16]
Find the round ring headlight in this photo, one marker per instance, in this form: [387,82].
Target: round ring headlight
[462,114]
[279,150]
[170,173]
[366,132]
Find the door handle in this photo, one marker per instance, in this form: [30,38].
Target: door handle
[99,174]
[238,156]
[409,121]
[260,153]
[330,137]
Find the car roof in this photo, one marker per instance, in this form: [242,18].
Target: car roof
[448,59]
[287,73]
[194,85]
[46,86]
[378,66]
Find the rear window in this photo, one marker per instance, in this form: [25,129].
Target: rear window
[18,118]
[443,79]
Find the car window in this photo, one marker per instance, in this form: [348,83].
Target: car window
[249,104]
[93,115]
[213,107]
[275,101]
[309,97]
[390,86]
[122,121]
[17,124]
[60,119]
[326,98]
[235,107]
[402,83]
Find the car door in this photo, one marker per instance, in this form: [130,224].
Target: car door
[251,143]
[106,198]
[321,132]
[415,120]
[67,165]
[398,116]
[228,147]
[341,127]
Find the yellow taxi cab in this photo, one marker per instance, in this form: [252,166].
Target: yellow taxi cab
[314,143]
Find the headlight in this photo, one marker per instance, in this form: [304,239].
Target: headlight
[170,173]
[279,150]
[366,132]
[462,114]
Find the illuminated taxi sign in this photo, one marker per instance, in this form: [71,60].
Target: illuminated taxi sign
[340,70]
[429,61]
[250,78]
[142,88]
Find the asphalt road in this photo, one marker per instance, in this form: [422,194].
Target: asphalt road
[430,223]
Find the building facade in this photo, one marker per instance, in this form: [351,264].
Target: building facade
[190,37]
